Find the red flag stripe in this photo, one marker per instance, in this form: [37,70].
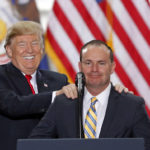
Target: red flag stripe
[67,26]
[124,77]
[148,110]
[99,32]
[61,55]
[138,20]
[79,5]
[88,19]
[81,21]
[129,47]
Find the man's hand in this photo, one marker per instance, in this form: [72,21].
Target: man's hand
[120,88]
[69,90]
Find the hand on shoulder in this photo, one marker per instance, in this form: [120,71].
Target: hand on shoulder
[120,88]
[69,90]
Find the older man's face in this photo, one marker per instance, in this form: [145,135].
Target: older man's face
[25,52]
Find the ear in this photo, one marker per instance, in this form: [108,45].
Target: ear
[113,67]
[79,65]
[42,51]
[8,51]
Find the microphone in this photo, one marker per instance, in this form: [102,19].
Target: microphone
[80,83]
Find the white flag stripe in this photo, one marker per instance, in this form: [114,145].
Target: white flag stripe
[143,9]
[62,38]
[96,12]
[73,15]
[132,71]
[7,14]
[131,29]
[7,18]
[121,52]
[115,79]
[101,15]
[129,66]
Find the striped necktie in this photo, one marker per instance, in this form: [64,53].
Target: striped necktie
[91,120]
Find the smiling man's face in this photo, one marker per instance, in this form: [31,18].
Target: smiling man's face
[25,52]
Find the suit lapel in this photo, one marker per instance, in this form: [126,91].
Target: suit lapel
[42,83]
[109,116]
[17,80]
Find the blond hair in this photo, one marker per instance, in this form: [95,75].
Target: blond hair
[24,28]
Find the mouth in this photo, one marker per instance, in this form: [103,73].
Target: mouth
[29,57]
[95,75]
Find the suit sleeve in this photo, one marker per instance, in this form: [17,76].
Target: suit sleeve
[15,105]
[47,126]
[141,127]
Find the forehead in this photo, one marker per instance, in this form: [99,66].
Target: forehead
[25,38]
[95,52]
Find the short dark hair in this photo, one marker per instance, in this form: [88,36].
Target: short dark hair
[97,43]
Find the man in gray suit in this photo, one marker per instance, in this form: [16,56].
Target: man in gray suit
[115,115]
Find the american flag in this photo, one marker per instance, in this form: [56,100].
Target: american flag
[123,24]
[7,18]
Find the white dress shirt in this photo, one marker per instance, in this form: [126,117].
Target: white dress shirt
[33,81]
[100,106]
[34,84]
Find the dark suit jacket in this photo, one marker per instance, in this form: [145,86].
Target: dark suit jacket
[20,110]
[125,117]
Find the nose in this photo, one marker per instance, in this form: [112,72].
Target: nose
[29,48]
[94,67]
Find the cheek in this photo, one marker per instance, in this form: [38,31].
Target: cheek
[85,70]
[40,52]
[15,53]
[18,51]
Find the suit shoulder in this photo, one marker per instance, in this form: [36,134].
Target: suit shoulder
[52,74]
[3,67]
[62,97]
[3,71]
[130,99]
[126,97]
[63,100]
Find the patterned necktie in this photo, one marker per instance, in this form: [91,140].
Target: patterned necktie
[29,77]
[91,120]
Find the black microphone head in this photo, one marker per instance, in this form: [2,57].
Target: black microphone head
[80,83]
[80,76]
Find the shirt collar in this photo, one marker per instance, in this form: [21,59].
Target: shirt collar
[32,75]
[102,97]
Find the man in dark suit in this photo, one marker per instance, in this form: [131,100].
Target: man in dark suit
[109,115]
[20,109]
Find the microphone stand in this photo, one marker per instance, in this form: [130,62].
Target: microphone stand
[80,82]
[80,103]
